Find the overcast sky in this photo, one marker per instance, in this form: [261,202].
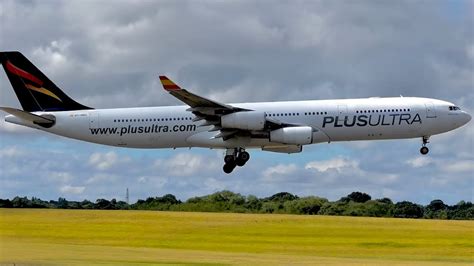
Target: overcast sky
[109,54]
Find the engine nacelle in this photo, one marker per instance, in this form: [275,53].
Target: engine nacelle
[284,149]
[251,120]
[292,135]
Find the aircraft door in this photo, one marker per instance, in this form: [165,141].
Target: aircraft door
[342,109]
[430,110]
[93,119]
[341,113]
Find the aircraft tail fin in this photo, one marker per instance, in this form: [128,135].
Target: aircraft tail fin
[33,89]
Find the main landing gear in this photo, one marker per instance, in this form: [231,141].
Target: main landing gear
[235,157]
[424,150]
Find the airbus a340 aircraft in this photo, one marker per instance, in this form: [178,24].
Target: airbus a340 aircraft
[283,127]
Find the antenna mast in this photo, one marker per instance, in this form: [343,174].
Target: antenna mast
[127,197]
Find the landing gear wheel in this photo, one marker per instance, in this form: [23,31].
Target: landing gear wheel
[229,159]
[235,157]
[424,150]
[229,167]
[242,158]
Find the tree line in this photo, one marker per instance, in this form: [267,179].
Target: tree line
[354,204]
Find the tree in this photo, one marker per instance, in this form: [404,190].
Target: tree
[385,200]
[282,197]
[436,210]
[252,203]
[19,202]
[270,207]
[406,209]
[85,204]
[436,205]
[103,204]
[356,197]
[5,203]
[62,203]
[376,208]
[462,210]
[38,203]
[170,199]
[333,208]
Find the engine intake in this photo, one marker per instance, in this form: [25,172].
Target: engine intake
[292,135]
[251,120]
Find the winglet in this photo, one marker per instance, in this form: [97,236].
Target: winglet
[168,84]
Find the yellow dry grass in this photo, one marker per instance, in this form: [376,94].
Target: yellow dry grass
[88,237]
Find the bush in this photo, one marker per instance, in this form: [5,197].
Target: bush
[306,205]
[333,208]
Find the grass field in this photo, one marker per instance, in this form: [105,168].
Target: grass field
[33,236]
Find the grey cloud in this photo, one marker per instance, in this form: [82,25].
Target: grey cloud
[110,55]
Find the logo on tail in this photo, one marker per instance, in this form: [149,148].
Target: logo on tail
[21,73]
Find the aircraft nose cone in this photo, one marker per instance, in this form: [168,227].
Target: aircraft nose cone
[467,117]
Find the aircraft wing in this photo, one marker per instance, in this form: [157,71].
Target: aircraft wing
[191,99]
[211,111]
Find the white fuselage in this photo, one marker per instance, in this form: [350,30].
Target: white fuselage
[334,120]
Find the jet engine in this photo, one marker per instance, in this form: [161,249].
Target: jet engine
[251,120]
[292,135]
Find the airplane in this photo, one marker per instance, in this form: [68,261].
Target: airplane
[283,127]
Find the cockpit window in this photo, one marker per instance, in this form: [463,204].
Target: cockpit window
[454,108]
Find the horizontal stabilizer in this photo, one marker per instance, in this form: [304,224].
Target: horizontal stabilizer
[39,120]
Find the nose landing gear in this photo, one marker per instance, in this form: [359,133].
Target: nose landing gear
[424,150]
[233,158]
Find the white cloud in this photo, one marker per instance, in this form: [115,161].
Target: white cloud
[6,127]
[157,182]
[102,178]
[185,164]
[104,161]
[11,152]
[338,164]
[279,170]
[60,177]
[67,189]
[459,166]
[470,51]
[419,161]
[104,55]
[215,185]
